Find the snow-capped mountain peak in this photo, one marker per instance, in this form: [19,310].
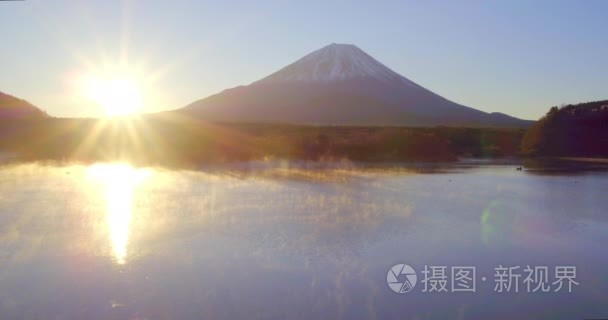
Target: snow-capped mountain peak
[339,84]
[336,62]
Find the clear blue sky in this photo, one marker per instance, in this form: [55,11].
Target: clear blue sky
[514,56]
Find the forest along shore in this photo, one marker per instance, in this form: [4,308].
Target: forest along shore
[177,140]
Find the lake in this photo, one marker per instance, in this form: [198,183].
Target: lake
[301,241]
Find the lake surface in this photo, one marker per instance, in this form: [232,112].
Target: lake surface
[276,241]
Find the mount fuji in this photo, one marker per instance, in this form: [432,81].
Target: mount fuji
[340,84]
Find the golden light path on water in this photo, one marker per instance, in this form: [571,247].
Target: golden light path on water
[117,183]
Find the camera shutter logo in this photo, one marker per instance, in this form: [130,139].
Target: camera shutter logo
[401,278]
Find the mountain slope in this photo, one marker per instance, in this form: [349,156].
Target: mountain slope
[340,84]
[12,107]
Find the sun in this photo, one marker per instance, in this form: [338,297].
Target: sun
[117,96]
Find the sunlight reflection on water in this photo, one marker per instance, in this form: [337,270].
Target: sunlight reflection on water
[117,182]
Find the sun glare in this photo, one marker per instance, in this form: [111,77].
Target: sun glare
[116,96]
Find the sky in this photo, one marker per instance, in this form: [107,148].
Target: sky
[518,57]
